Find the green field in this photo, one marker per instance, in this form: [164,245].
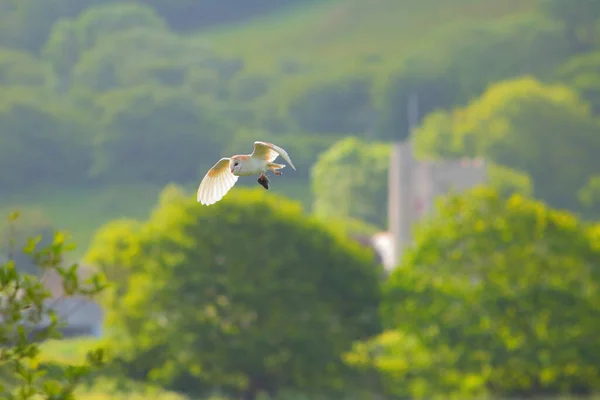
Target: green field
[82,211]
[334,35]
[57,354]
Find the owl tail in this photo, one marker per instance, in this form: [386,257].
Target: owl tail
[274,167]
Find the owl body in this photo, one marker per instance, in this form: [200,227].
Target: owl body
[248,166]
[225,173]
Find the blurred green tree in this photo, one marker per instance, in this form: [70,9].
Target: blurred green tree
[19,68]
[157,134]
[44,139]
[248,294]
[508,181]
[507,289]
[142,55]
[14,236]
[341,106]
[581,73]
[349,180]
[579,18]
[69,39]
[25,24]
[398,364]
[589,196]
[28,319]
[545,131]
[462,62]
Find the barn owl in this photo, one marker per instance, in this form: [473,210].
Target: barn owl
[225,173]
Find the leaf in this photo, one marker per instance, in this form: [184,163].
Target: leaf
[13,216]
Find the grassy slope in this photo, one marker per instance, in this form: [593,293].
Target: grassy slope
[82,211]
[331,38]
[346,33]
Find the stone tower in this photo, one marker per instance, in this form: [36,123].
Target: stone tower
[414,185]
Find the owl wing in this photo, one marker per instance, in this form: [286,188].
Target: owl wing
[216,183]
[269,152]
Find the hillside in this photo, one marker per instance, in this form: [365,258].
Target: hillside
[312,42]
[353,33]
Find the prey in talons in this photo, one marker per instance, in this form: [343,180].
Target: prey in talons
[264,181]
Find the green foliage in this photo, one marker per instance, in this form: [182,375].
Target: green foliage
[42,140]
[108,388]
[350,181]
[344,36]
[155,55]
[14,236]
[508,124]
[96,22]
[100,96]
[581,73]
[28,319]
[128,82]
[579,18]
[69,208]
[508,181]
[589,196]
[335,107]
[27,23]
[400,365]
[19,68]
[464,61]
[156,134]
[69,39]
[215,296]
[505,291]
[191,15]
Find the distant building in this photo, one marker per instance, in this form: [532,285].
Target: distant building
[413,187]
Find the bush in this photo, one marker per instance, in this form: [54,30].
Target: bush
[545,131]
[28,319]
[250,295]
[350,180]
[488,289]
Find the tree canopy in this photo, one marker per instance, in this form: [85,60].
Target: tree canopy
[502,291]
[349,180]
[546,131]
[217,295]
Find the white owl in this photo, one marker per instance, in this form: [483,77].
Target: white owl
[225,173]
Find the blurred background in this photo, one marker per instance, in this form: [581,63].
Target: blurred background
[439,239]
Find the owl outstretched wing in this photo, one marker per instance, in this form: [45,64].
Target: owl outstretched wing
[216,183]
[269,152]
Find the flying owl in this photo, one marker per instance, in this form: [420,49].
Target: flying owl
[225,173]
